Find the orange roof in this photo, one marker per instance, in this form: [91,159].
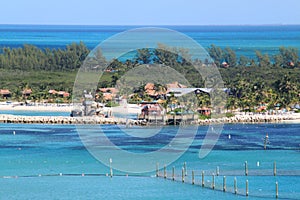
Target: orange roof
[4,92]
[109,90]
[27,91]
[66,94]
[149,86]
[63,93]
[175,85]
[52,91]
[108,96]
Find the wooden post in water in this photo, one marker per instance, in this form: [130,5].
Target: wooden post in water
[157,170]
[247,188]
[165,171]
[185,169]
[193,177]
[276,184]
[174,119]
[182,175]
[111,171]
[224,184]
[218,171]
[274,169]
[173,173]
[246,168]
[235,185]
[213,182]
[202,179]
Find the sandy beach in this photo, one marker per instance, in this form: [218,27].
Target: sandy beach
[38,107]
[134,109]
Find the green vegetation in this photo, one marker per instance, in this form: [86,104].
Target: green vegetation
[112,104]
[270,80]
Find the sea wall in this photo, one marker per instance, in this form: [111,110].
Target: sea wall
[67,120]
[256,118]
[6,118]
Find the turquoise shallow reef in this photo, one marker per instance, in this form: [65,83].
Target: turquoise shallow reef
[51,162]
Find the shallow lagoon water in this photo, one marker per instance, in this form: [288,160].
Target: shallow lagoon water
[49,150]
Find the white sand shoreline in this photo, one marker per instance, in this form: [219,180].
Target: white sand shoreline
[238,118]
[47,107]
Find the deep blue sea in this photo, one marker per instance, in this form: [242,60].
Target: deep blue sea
[245,40]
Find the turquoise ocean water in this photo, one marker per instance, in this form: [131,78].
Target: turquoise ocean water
[32,159]
[49,150]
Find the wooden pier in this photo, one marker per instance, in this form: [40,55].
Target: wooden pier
[169,119]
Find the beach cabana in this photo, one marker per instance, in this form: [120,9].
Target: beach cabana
[204,111]
[5,93]
[27,92]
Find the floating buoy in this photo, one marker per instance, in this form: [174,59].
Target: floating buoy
[82,174]
[60,174]
[257,163]
[14,132]
[229,136]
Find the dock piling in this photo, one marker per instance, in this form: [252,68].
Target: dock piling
[173,173]
[193,177]
[182,175]
[247,188]
[157,170]
[224,184]
[202,179]
[165,171]
[110,166]
[274,169]
[246,168]
[235,185]
[213,182]
[276,185]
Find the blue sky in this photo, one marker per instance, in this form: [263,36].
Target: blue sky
[150,12]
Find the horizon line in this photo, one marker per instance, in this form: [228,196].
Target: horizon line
[271,24]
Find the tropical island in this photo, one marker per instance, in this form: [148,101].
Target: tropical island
[257,85]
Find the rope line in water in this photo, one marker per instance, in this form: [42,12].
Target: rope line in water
[219,187]
[73,174]
[177,178]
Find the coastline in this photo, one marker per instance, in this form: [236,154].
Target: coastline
[8,118]
[254,118]
[38,107]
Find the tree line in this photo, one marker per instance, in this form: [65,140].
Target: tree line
[265,79]
[30,57]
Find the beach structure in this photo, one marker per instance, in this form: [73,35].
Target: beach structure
[109,94]
[26,92]
[5,93]
[63,94]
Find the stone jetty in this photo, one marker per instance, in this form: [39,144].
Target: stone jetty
[256,118]
[247,118]
[67,120]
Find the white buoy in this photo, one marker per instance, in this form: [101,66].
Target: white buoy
[257,163]
[229,136]
[14,132]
